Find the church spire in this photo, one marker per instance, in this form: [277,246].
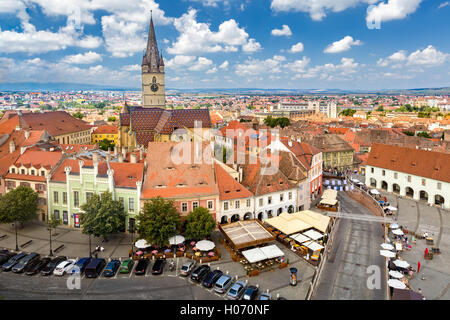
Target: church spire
[152,57]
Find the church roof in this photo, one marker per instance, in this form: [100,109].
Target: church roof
[152,57]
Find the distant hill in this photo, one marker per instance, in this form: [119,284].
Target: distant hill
[33,86]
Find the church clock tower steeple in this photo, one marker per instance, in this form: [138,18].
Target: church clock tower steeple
[153,82]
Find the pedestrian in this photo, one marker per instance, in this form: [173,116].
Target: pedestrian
[426,252]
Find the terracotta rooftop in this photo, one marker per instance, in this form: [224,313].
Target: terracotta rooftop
[106,129]
[228,187]
[427,164]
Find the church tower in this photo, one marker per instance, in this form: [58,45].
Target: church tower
[153,82]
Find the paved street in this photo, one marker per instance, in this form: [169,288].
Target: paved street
[356,246]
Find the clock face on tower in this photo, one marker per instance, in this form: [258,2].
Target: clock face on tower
[154,87]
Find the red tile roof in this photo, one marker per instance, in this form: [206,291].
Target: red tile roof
[106,129]
[35,158]
[28,177]
[427,164]
[228,187]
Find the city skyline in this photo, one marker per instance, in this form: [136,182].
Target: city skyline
[229,44]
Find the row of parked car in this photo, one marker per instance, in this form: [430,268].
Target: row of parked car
[222,283]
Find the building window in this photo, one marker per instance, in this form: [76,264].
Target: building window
[55,197]
[225,206]
[184,207]
[32,172]
[439,186]
[42,201]
[13,170]
[281,197]
[56,214]
[383,172]
[22,171]
[290,195]
[42,173]
[269,200]
[88,195]
[194,205]
[122,203]
[248,203]
[24,184]
[210,204]
[237,204]
[76,199]
[423,182]
[261,202]
[395,175]
[409,178]
[131,204]
[371,170]
[64,197]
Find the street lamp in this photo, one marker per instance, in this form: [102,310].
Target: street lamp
[17,244]
[51,251]
[131,230]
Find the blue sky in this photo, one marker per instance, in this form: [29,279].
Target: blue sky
[230,43]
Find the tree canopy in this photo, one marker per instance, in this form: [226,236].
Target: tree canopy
[348,112]
[274,122]
[19,204]
[105,144]
[102,215]
[158,221]
[199,224]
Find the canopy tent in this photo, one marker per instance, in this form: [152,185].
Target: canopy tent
[386,253]
[314,246]
[396,274]
[288,223]
[176,240]
[391,208]
[300,238]
[247,233]
[263,253]
[397,232]
[374,191]
[401,264]
[318,221]
[329,194]
[272,251]
[314,235]
[387,246]
[142,244]
[330,202]
[205,245]
[398,246]
[393,226]
[394,283]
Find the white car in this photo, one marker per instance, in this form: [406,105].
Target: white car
[64,267]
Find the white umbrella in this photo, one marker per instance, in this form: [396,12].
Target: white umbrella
[396,274]
[142,244]
[392,208]
[394,283]
[401,263]
[397,232]
[205,245]
[394,226]
[176,240]
[387,246]
[374,191]
[386,253]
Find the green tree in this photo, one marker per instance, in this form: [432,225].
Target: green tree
[105,144]
[380,108]
[199,224]
[18,205]
[409,133]
[78,115]
[424,134]
[102,216]
[158,221]
[283,122]
[348,112]
[111,119]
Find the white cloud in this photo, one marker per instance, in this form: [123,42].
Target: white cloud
[131,68]
[330,71]
[392,10]
[197,37]
[297,48]
[342,45]
[284,31]
[254,67]
[444,4]
[299,66]
[224,65]
[211,3]
[317,9]
[180,61]
[212,70]
[201,64]
[427,57]
[396,57]
[82,58]
[251,46]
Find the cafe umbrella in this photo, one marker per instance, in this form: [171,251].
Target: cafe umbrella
[388,254]
[394,283]
[396,274]
[387,246]
[205,245]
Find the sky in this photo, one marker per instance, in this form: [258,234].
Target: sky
[270,44]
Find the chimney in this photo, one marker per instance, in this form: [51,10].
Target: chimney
[27,134]
[290,143]
[124,153]
[133,158]
[95,157]
[120,158]
[141,154]
[12,147]
[116,150]
[240,174]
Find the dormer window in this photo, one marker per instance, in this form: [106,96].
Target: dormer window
[181,185]
[32,172]
[22,171]
[13,170]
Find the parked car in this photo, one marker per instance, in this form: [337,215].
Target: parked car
[36,266]
[211,278]
[64,267]
[250,293]
[141,266]
[199,273]
[265,296]
[50,267]
[126,266]
[8,265]
[158,267]
[5,255]
[18,267]
[95,267]
[80,265]
[111,268]
[236,290]
[187,268]
[224,282]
